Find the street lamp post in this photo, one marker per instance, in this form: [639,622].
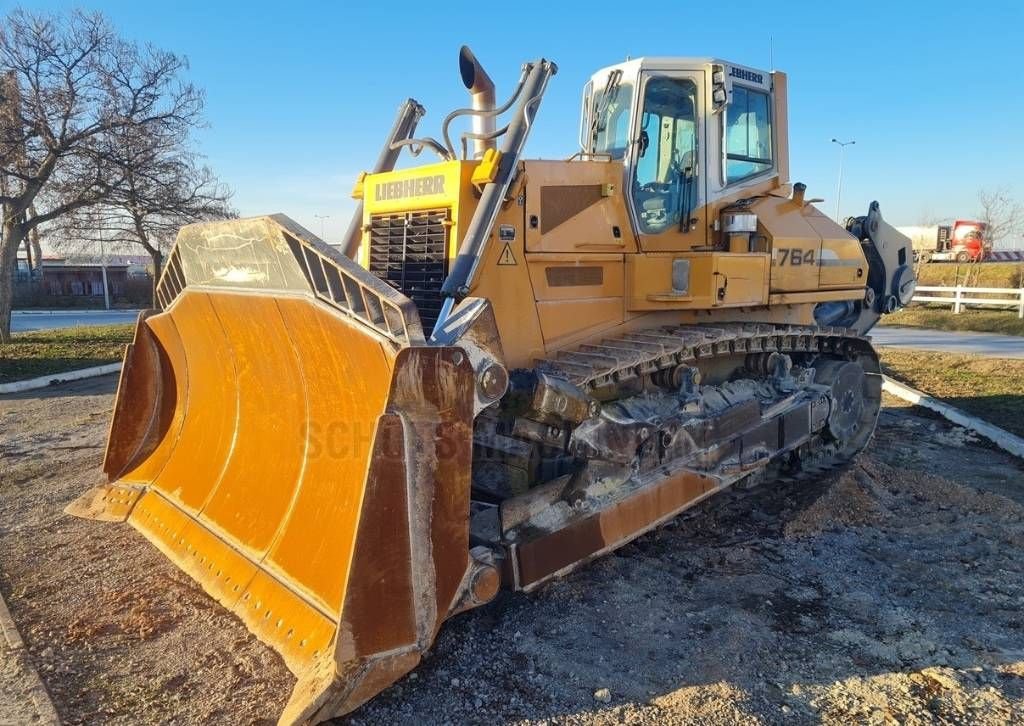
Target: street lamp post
[103,270]
[322,218]
[839,186]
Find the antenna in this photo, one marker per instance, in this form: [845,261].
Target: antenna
[771,49]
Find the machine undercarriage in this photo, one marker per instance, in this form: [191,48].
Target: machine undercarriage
[687,409]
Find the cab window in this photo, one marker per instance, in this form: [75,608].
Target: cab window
[748,134]
[664,177]
[612,108]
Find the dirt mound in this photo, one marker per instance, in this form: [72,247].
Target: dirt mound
[873,493]
[849,501]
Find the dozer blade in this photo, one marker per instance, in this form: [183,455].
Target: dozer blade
[283,433]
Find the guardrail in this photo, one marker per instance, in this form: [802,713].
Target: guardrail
[962,297]
[1005,256]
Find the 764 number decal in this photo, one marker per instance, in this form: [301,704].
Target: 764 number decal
[795,256]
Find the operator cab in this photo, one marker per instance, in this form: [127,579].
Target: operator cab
[690,132]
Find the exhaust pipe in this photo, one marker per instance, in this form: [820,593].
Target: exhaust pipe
[481,91]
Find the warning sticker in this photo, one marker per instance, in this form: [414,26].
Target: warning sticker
[507,258]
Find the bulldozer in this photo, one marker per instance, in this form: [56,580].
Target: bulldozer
[509,368]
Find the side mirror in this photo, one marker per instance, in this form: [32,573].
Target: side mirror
[719,88]
[644,142]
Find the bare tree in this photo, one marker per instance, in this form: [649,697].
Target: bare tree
[1002,214]
[33,249]
[928,218]
[165,186]
[72,90]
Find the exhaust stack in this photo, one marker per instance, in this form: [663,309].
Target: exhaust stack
[481,91]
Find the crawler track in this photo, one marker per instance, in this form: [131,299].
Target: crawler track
[597,365]
[602,367]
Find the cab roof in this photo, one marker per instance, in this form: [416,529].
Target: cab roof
[633,66]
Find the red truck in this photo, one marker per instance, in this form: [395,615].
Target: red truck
[962,241]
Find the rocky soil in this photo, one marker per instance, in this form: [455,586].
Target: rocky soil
[890,593]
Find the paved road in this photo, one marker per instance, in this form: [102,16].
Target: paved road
[987,344]
[47,320]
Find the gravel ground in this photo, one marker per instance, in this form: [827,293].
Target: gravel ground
[890,593]
[23,698]
[118,634]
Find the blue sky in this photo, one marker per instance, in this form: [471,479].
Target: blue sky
[300,95]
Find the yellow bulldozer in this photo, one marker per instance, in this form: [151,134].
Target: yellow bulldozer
[510,368]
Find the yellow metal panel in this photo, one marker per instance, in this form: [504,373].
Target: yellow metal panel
[649,282]
[503,278]
[809,250]
[780,108]
[446,184]
[795,245]
[572,277]
[421,187]
[841,262]
[300,631]
[357,189]
[842,266]
[717,279]
[565,321]
[592,229]
[742,279]
[795,263]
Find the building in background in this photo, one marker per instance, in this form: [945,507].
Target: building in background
[78,281]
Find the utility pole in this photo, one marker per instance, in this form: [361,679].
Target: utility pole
[322,218]
[839,186]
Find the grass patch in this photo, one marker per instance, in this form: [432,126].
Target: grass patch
[990,388]
[43,352]
[985,274]
[980,321]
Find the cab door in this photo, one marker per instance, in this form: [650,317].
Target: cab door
[666,169]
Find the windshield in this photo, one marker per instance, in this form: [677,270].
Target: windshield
[664,182]
[965,232]
[611,108]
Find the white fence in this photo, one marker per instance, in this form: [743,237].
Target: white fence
[962,297]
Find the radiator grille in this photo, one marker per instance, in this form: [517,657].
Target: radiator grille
[409,251]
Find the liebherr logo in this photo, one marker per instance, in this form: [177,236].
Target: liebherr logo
[744,75]
[417,187]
